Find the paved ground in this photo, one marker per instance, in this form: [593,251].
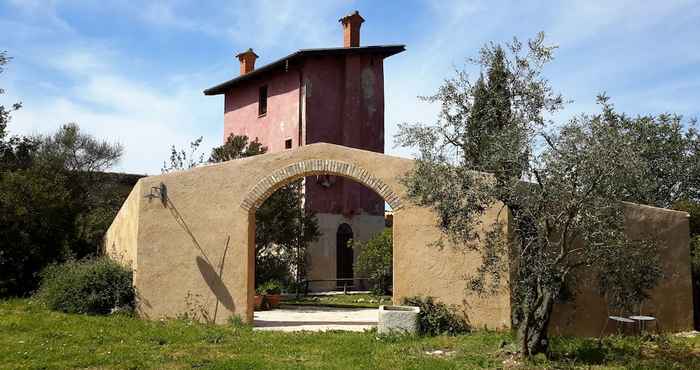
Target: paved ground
[310,318]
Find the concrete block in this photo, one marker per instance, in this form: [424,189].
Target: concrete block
[398,319]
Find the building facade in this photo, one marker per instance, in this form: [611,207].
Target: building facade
[331,95]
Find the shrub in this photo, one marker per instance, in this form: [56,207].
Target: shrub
[270,287]
[271,267]
[375,261]
[92,286]
[437,318]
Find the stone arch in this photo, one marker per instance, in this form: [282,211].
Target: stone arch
[266,186]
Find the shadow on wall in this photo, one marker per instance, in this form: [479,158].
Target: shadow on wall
[216,285]
[211,276]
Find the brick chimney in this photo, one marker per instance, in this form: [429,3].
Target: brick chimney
[351,29]
[247,59]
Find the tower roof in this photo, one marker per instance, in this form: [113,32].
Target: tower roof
[383,50]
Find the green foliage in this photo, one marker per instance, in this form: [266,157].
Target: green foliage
[56,202]
[627,275]
[184,160]
[272,267]
[669,149]
[491,126]
[269,287]
[15,151]
[92,286]
[375,261]
[283,232]
[236,321]
[341,300]
[5,113]
[562,184]
[236,146]
[283,229]
[437,318]
[489,113]
[32,337]
[34,231]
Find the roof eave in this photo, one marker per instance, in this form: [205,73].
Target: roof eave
[386,50]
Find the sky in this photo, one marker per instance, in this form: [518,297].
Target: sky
[133,72]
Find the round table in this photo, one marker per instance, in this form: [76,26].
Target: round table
[621,321]
[642,320]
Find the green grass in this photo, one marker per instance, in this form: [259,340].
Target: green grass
[341,300]
[32,337]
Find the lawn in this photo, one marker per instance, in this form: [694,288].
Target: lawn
[32,337]
[341,300]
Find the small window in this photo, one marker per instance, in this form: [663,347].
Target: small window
[288,144]
[262,101]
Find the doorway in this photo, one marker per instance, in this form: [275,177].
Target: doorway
[344,257]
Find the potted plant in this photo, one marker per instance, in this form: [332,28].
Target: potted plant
[259,295]
[272,290]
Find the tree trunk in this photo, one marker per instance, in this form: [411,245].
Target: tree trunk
[532,336]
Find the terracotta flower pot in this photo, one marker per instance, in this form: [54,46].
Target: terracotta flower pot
[273,299]
[258,301]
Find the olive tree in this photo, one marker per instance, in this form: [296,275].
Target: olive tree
[492,145]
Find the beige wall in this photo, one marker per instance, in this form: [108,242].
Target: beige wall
[201,243]
[421,268]
[671,301]
[121,237]
[322,253]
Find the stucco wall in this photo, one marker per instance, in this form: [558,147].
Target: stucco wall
[196,253]
[281,122]
[347,91]
[322,253]
[429,270]
[201,244]
[671,301]
[121,237]
[343,103]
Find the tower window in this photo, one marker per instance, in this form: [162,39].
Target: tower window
[262,101]
[288,144]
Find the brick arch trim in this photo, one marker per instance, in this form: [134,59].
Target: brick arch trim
[266,186]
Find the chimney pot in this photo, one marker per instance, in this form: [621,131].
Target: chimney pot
[247,59]
[351,29]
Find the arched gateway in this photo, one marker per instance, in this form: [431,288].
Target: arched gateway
[189,237]
[192,250]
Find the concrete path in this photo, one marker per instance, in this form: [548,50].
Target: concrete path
[311,318]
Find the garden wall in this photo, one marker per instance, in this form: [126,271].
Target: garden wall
[671,301]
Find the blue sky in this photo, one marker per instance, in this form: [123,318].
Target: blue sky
[133,71]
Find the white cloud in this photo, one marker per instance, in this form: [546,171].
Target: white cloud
[92,86]
[627,48]
[580,20]
[44,10]
[145,135]
[261,24]
[603,44]
[81,62]
[110,105]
